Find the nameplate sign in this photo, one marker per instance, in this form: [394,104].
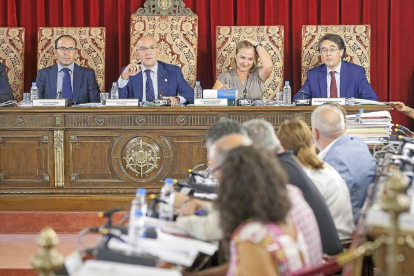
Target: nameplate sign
[220,94]
[51,102]
[122,102]
[321,101]
[214,102]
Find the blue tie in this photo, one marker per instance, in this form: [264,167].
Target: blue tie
[66,84]
[149,88]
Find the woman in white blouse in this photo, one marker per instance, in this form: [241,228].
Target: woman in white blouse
[296,136]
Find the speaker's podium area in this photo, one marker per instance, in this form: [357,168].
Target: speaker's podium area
[129,185]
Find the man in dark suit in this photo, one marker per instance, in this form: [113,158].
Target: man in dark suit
[153,79]
[6,92]
[76,83]
[336,77]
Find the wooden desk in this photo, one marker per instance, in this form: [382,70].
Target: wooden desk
[94,158]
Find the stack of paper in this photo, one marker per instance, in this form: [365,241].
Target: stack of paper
[375,126]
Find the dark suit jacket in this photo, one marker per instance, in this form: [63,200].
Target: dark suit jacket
[297,177]
[6,92]
[353,83]
[85,88]
[170,80]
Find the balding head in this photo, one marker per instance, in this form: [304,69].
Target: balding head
[147,51]
[222,146]
[328,124]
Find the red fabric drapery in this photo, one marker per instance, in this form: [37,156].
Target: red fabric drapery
[392,41]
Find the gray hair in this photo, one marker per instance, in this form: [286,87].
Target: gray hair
[263,135]
[329,121]
[223,128]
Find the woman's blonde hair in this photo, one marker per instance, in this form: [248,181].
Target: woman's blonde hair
[295,135]
[241,45]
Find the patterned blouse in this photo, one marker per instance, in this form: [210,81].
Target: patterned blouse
[290,255]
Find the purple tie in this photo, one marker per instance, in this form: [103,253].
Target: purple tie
[66,84]
[149,88]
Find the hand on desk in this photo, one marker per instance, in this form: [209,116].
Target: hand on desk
[190,207]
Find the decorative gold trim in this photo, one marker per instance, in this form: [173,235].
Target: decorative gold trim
[164,7]
[46,177]
[59,159]
[45,139]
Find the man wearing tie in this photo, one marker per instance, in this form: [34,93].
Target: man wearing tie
[152,79]
[336,77]
[76,83]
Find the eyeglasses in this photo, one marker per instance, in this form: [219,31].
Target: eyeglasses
[331,50]
[63,49]
[150,49]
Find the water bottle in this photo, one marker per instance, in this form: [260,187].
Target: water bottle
[198,91]
[136,229]
[166,210]
[358,118]
[114,91]
[287,93]
[34,92]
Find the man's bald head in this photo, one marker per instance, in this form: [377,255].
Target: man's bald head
[329,121]
[219,149]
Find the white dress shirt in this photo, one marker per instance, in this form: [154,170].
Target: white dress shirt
[336,194]
[337,78]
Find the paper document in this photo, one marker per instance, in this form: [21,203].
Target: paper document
[103,268]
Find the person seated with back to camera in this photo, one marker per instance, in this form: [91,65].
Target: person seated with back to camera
[296,136]
[336,78]
[245,75]
[265,239]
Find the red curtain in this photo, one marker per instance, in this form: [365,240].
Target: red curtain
[392,41]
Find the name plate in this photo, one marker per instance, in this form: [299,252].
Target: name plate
[321,101]
[220,94]
[51,102]
[214,102]
[122,102]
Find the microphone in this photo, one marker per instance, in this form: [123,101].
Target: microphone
[406,139]
[404,129]
[160,91]
[152,212]
[400,132]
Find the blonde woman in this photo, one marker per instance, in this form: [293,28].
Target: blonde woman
[245,75]
[296,136]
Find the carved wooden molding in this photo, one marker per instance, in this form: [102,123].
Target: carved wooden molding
[164,7]
[59,159]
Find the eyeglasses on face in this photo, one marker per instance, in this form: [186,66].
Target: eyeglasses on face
[331,50]
[63,49]
[150,49]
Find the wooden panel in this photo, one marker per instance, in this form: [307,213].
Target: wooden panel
[25,159]
[94,158]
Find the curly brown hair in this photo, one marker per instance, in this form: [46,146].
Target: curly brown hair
[252,186]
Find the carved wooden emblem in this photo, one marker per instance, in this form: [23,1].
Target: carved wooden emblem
[141,158]
[164,4]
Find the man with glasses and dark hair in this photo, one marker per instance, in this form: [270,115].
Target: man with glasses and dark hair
[152,79]
[75,82]
[336,78]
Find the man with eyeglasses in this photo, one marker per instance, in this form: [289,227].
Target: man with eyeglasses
[336,78]
[152,79]
[75,82]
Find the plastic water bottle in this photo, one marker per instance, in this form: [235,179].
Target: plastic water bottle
[358,118]
[198,91]
[287,93]
[34,92]
[166,210]
[137,216]
[114,91]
